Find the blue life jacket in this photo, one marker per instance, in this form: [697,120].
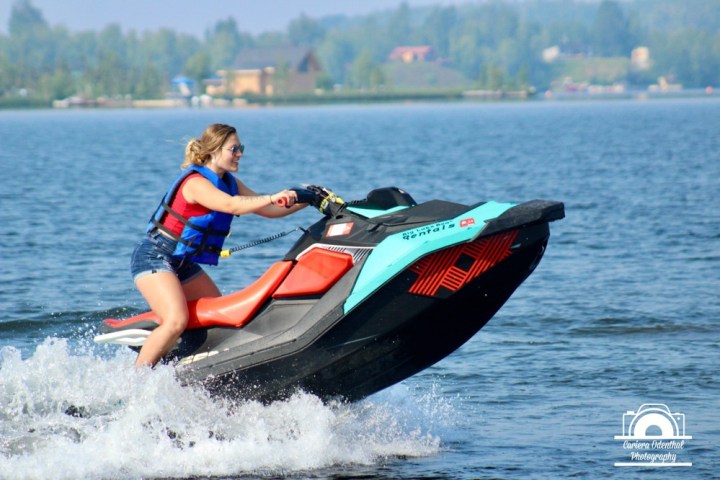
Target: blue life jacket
[202,237]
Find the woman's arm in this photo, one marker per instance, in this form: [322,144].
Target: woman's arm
[200,190]
[273,210]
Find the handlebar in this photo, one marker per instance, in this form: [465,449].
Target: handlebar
[304,195]
[282,202]
[323,199]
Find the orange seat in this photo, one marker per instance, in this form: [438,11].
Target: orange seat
[314,273]
[233,310]
[236,309]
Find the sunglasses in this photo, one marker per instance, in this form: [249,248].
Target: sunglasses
[235,149]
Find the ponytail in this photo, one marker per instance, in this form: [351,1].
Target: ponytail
[199,151]
[194,154]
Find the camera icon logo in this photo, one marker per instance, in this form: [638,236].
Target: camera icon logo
[653,421]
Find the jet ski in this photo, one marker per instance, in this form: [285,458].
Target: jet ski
[374,292]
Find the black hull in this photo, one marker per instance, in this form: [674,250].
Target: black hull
[389,337]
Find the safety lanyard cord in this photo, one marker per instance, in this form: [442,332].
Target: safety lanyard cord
[254,243]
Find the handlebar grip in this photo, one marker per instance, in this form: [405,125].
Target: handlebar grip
[304,195]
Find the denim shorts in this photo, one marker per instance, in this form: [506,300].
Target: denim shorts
[153,254]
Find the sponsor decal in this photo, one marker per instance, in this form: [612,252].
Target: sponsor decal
[339,229]
[466,222]
[428,229]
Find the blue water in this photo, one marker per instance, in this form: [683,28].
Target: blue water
[622,311]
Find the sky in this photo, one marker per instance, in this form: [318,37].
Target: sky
[196,16]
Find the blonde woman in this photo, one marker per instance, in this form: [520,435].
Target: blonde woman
[188,229]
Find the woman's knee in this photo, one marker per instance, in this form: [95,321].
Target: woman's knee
[175,323]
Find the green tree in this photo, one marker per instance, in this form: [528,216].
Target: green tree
[610,32]
[703,62]
[689,56]
[437,28]
[197,66]
[109,78]
[336,52]
[523,77]
[324,81]
[465,51]
[150,83]
[25,19]
[224,42]
[377,78]
[271,40]
[497,42]
[31,47]
[493,77]
[167,51]
[365,73]
[399,28]
[572,37]
[305,31]
[58,85]
[7,73]
[81,51]
[500,22]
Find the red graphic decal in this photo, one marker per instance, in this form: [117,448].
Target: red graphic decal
[439,269]
[339,229]
[466,222]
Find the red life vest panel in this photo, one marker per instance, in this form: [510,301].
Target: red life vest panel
[180,205]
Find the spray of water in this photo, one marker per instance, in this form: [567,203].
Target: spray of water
[70,415]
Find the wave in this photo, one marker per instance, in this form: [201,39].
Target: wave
[644,326]
[26,332]
[80,416]
[35,320]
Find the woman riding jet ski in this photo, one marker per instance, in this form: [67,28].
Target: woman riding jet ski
[374,292]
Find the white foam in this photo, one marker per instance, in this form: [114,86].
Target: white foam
[145,424]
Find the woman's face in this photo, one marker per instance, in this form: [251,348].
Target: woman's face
[228,158]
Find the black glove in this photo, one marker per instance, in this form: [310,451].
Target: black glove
[305,195]
[321,198]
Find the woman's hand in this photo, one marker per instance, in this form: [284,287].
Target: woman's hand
[284,198]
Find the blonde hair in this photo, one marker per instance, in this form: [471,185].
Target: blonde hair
[199,151]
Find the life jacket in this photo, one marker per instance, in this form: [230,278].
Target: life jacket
[202,237]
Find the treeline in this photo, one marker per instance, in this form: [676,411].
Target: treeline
[495,44]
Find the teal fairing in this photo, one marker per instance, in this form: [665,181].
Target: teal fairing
[400,250]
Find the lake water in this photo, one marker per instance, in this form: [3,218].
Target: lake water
[623,310]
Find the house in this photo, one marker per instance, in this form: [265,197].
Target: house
[551,54]
[564,52]
[182,87]
[640,58]
[267,71]
[411,54]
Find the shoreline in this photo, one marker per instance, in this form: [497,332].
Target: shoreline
[469,96]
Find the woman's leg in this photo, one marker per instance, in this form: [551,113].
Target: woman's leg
[200,286]
[166,297]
